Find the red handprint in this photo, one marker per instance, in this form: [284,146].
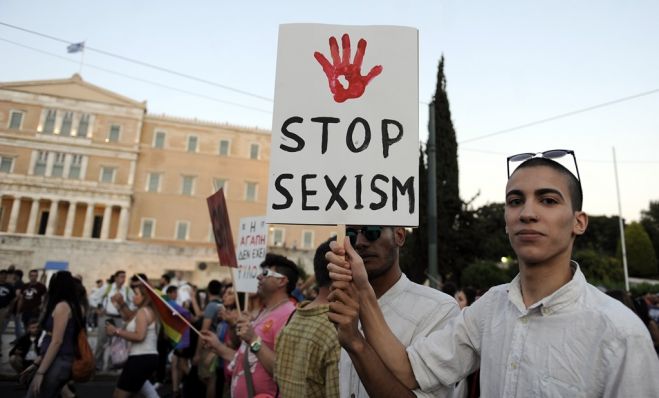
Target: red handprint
[341,66]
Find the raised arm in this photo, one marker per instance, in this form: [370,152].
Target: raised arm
[346,265]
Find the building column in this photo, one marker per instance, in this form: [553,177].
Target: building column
[32,219]
[89,221]
[122,230]
[70,216]
[105,225]
[52,218]
[13,216]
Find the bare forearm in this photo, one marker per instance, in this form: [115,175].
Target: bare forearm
[374,375]
[267,358]
[49,357]
[383,341]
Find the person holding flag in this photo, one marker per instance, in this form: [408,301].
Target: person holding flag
[141,332]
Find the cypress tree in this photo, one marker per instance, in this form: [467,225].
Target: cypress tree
[449,204]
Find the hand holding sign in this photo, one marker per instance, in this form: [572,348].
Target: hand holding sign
[341,66]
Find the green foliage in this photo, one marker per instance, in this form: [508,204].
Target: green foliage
[642,288]
[600,269]
[449,204]
[414,254]
[602,235]
[650,221]
[483,275]
[641,258]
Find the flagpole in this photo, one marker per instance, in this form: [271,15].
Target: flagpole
[174,312]
[82,57]
[620,223]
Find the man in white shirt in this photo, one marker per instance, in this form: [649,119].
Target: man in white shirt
[110,313]
[410,310]
[547,333]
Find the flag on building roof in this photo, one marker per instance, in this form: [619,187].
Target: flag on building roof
[75,47]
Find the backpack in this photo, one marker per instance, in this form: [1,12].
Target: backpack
[84,364]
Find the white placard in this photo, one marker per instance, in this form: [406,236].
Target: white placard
[250,252]
[345,139]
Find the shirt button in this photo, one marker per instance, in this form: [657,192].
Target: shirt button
[524,320]
[546,311]
[513,365]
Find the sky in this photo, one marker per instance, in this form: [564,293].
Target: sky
[507,64]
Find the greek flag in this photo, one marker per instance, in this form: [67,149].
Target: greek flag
[75,47]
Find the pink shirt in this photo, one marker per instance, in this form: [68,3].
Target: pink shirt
[267,325]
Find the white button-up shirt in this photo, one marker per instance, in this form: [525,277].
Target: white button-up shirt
[411,311]
[577,342]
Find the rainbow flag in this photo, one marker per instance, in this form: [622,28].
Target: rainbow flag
[175,328]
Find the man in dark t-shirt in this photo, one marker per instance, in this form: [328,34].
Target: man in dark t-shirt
[31,297]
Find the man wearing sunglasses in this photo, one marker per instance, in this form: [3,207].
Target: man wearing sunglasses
[276,282]
[546,333]
[410,310]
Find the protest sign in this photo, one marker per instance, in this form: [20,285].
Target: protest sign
[345,126]
[217,207]
[250,252]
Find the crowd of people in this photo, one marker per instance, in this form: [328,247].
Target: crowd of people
[358,327]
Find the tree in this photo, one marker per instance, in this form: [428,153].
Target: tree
[602,235]
[600,269]
[414,254]
[641,258]
[449,204]
[483,275]
[650,221]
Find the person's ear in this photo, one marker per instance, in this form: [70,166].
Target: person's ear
[580,223]
[399,236]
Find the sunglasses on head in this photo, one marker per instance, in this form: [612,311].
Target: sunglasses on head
[516,160]
[370,232]
[268,272]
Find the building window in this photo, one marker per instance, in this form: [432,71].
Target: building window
[153,182]
[40,164]
[277,237]
[192,143]
[224,147]
[15,120]
[67,121]
[148,228]
[159,140]
[75,167]
[107,174]
[6,164]
[251,191]
[58,165]
[83,126]
[254,151]
[49,124]
[187,185]
[307,240]
[113,134]
[182,228]
[219,183]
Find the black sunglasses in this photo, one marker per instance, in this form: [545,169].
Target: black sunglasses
[552,154]
[370,232]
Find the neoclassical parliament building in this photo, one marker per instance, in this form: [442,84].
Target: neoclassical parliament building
[90,181]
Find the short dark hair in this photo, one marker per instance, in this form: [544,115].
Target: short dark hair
[119,272]
[320,264]
[18,273]
[573,184]
[171,289]
[166,277]
[214,287]
[35,271]
[32,321]
[3,271]
[285,267]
